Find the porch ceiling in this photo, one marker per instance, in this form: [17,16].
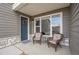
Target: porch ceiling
[37,8]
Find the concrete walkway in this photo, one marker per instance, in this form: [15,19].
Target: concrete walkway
[11,50]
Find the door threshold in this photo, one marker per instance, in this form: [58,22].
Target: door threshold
[25,41]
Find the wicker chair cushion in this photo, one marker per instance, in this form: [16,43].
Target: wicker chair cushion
[37,36]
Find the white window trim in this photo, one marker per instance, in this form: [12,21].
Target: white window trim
[61,22]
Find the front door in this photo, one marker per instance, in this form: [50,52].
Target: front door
[24,28]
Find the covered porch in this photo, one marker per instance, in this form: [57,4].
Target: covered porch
[28,48]
[47,18]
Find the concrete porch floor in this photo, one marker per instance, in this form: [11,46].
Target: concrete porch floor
[37,49]
[33,49]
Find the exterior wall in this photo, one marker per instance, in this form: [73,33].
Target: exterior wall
[9,25]
[66,20]
[74,29]
[31,25]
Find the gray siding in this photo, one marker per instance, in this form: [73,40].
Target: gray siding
[31,25]
[74,29]
[66,20]
[9,23]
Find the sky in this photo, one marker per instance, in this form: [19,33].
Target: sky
[55,20]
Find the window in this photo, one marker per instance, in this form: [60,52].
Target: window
[37,25]
[55,20]
[45,25]
[49,24]
[37,29]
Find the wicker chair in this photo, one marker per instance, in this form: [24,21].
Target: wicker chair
[37,37]
[55,40]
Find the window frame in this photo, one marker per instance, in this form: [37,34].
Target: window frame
[50,17]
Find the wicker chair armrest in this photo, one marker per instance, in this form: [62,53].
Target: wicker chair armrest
[58,41]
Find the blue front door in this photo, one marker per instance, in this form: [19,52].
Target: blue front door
[24,28]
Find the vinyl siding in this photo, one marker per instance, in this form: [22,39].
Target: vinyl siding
[8,20]
[74,29]
[31,25]
[9,24]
